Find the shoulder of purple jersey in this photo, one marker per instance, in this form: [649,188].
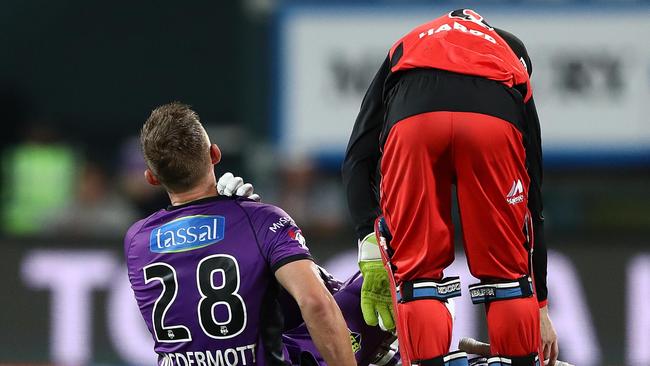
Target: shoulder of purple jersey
[262,214]
[133,231]
[268,221]
[279,237]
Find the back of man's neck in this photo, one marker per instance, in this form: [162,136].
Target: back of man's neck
[194,194]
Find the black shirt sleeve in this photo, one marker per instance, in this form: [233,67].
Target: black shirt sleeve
[533,145]
[535,205]
[360,168]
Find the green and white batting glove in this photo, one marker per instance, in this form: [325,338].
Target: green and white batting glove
[376,302]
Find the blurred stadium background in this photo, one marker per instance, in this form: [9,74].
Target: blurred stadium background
[278,83]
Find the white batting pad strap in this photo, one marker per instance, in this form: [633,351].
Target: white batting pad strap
[505,361]
[454,355]
[368,248]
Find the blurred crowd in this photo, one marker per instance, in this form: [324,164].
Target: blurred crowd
[55,184]
[51,186]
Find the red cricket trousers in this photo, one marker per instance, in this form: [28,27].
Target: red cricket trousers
[424,155]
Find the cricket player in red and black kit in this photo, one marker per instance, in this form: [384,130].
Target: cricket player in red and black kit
[451,105]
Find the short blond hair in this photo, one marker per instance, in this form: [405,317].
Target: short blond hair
[175,146]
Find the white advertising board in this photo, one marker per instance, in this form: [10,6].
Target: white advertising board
[591,75]
[72,278]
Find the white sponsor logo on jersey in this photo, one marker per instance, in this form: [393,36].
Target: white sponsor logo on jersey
[282,221]
[457,27]
[516,194]
[187,233]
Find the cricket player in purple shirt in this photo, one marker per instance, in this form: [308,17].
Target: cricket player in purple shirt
[207,271]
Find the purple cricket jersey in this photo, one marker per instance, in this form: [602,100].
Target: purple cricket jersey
[203,277]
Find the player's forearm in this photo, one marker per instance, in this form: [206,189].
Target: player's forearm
[328,330]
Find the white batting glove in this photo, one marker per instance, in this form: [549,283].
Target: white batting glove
[229,185]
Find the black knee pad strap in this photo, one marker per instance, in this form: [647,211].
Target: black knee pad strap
[428,289]
[530,360]
[502,290]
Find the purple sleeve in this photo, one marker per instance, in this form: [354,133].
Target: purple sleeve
[280,239]
[128,238]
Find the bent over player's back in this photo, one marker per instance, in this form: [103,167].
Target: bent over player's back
[202,274]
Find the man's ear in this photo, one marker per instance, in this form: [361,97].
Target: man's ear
[150,178]
[215,154]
